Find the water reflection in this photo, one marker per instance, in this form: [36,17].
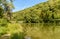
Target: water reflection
[42,30]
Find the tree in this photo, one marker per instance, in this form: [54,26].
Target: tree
[7,7]
[1,12]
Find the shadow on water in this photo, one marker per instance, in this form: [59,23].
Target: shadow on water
[40,25]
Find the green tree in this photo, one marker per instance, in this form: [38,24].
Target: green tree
[7,7]
[1,12]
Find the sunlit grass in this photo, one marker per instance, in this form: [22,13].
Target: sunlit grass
[15,27]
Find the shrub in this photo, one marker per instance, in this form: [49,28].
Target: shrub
[3,22]
[3,30]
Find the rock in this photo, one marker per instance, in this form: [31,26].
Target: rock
[6,36]
[27,37]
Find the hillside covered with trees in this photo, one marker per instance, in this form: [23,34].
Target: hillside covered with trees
[43,12]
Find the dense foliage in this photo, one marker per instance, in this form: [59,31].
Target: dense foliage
[6,7]
[45,12]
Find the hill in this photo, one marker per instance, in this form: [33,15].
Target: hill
[45,12]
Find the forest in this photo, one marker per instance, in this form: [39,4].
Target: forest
[41,21]
[43,12]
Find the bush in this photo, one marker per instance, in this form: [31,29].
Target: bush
[3,30]
[14,29]
[3,22]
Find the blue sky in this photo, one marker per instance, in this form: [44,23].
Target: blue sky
[22,4]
